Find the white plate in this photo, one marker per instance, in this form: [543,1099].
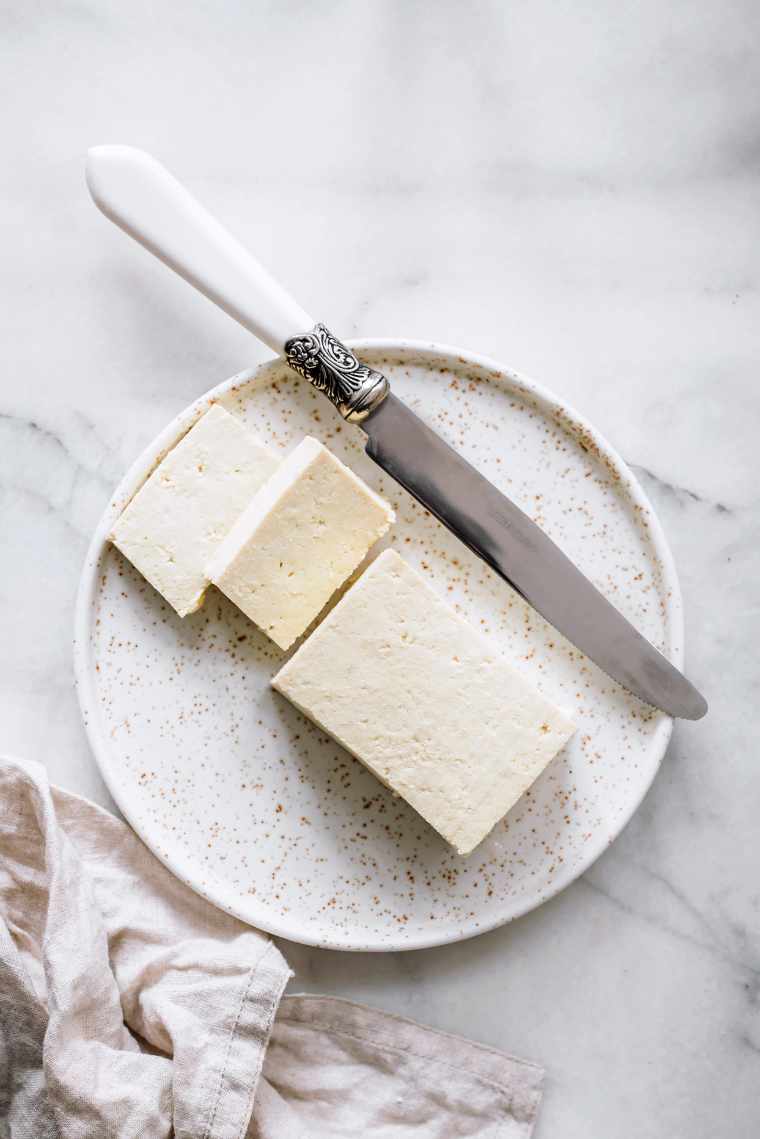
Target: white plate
[255,808]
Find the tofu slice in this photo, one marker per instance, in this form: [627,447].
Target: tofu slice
[298,541]
[413,691]
[176,520]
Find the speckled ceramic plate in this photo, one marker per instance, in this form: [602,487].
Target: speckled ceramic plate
[254,807]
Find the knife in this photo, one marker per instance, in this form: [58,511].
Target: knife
[144,199]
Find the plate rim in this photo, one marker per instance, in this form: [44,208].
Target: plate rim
[84,672]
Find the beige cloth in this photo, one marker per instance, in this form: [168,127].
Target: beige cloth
[336,1069]
[129,1006]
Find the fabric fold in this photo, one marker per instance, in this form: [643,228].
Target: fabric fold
[381,1074]
[148,1010]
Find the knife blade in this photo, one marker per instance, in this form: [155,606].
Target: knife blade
[138,194]
[524,555]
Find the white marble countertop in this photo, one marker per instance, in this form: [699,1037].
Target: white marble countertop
[572,189]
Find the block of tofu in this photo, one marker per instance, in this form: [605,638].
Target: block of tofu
[423,699]
[179,516]
[298,541]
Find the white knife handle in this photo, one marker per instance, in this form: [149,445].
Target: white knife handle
[140,195]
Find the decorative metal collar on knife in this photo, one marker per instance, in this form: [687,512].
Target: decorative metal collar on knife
[332,368]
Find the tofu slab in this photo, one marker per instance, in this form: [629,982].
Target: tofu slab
[298,541]
[419,696]
[173,525]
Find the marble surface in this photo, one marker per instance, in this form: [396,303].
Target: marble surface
[571,188]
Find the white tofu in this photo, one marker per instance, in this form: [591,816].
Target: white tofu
[176,520]
[413,691]
[298,541]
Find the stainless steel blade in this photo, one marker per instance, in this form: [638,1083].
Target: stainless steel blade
[519,550]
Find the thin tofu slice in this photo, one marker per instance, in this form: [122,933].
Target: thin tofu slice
[298,541]
[413,691]
[172,526]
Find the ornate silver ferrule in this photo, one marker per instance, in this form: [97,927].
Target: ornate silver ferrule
[332,368]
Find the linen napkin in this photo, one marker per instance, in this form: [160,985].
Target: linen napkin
[129,1006]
